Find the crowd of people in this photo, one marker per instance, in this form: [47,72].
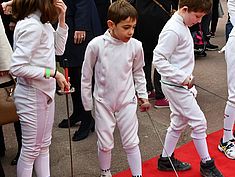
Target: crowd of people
[84,36]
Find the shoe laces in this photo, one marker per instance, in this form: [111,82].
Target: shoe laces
[175,161]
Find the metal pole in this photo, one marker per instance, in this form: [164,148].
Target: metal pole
[157,133]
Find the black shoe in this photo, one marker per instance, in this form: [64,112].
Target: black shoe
[165,165]
[73,120]
[209,169]
[84,131]
[211,47]
[200,53]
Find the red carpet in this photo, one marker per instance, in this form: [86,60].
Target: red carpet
[188,153]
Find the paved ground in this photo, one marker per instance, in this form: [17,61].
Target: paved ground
[210,73]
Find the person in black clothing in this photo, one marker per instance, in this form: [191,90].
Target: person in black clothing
[152,18]
[214,17]
[102,8]
[84,24]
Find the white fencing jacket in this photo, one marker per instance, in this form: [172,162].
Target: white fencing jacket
[174,55]
[118,71]
[35,46]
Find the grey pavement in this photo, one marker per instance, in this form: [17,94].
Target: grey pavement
[210,73]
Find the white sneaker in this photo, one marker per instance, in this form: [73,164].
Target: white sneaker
[227,148]
[105,173]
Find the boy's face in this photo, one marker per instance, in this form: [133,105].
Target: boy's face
[124,30]
[191,18]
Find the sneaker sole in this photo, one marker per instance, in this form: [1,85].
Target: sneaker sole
[221,150]
[212,49]
[170,169]
[159,107]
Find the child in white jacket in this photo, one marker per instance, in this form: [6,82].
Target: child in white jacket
[33,63]
[117,61]
[174,60]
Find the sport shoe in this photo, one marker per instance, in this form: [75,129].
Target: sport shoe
[165,165]
[105,173]
[227,148]
[209,169]
[151,95]
[161,103]
[211,47]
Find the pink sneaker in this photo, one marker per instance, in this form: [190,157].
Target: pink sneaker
[161,103]
[151,95]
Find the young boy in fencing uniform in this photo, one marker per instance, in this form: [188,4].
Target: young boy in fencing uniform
[117,61]
[174,60]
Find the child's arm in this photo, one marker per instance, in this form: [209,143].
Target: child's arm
[138,72]
[87,74]
[139,79]
[59,4]
[167,43]
[61,33]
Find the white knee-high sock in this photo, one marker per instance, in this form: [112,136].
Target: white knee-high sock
[202,149]
[170,143]
[134,160]
[104,158]
[42,164]
[229,117]
[24,169]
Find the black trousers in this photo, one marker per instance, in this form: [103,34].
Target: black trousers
[78,109]
[215,15]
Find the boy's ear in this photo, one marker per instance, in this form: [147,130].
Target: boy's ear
[110,24]
[185,8]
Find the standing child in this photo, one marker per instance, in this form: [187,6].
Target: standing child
[174,60]
[117,60]
[33,63]
[227,145]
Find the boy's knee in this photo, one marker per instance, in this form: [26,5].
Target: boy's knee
[131,149]
[175,132]
[199,131]
[105,147]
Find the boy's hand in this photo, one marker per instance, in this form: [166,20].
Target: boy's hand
[144,104]
[189,81]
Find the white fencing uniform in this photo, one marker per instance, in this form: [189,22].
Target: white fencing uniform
[119,75]
[35,46]
[174,60]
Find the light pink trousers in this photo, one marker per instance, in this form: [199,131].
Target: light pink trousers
[36,113]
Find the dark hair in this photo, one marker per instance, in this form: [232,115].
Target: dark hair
[23,8]
[196,5]
[121,10]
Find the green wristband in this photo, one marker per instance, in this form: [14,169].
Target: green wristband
[48,73]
